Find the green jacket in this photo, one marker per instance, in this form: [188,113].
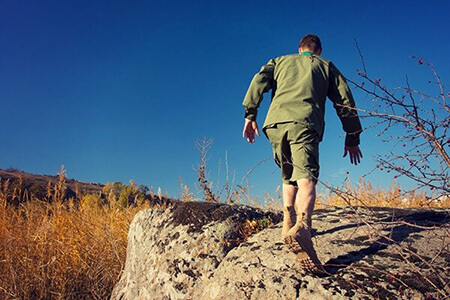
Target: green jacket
[300,84]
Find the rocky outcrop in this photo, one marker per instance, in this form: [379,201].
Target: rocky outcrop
[199,250]
[173,249]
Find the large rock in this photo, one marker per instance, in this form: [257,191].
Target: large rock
[172,249]
[200,250]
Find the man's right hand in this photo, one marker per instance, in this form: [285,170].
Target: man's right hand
[354,153]
[250,128]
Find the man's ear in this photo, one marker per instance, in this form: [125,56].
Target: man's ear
[319,52]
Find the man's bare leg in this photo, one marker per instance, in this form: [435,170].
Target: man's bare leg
[289,212]
[305,199]
[298,237]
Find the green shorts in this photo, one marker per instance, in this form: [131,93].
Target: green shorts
[295,151]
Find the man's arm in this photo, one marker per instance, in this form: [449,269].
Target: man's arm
[344,104]
[261,83]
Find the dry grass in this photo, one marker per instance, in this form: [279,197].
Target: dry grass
[364,194]
[61,251]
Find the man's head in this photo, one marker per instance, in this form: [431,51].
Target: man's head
[310,42]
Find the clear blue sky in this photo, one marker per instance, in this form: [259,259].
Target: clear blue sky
[119,90]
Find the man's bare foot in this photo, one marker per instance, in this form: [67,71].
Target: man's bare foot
[298,240]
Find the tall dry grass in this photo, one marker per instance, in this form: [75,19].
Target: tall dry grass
[364,194]
[62,250]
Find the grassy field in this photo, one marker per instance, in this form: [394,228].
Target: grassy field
[60,251]
[76,248]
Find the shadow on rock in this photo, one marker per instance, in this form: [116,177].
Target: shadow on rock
[398,233]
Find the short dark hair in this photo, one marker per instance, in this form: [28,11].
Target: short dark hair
[311,42]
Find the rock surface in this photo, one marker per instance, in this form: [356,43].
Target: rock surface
[198,250]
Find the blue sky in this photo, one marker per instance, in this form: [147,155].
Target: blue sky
[120,90]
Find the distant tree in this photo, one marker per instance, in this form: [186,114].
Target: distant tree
[121,195]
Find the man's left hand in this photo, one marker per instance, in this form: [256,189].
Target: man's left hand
[354,153]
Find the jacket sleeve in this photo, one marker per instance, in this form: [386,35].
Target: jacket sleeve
[344,104]
[261,83]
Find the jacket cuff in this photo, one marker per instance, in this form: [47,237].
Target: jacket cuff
[352,139]
[251,113]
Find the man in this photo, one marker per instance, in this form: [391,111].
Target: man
[294,125]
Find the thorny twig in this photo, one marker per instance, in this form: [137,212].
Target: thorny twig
[203,147]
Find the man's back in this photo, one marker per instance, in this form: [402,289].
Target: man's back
[300,90]
[300,84]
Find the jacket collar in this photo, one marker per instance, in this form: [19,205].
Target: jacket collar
[307,53]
